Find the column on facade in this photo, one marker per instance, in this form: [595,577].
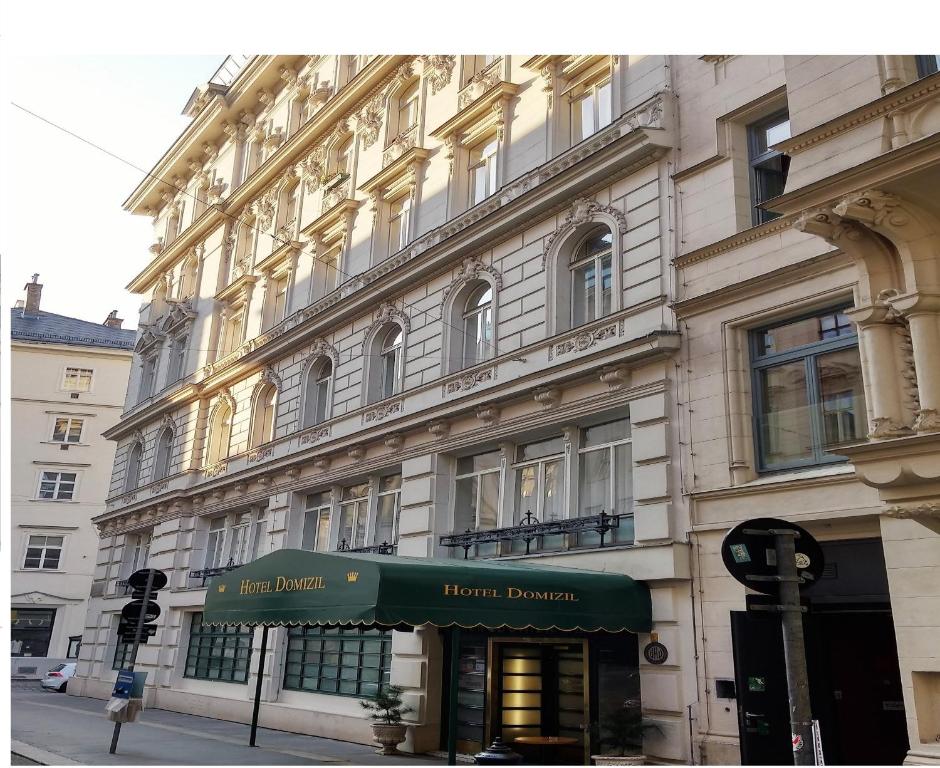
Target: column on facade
[923,315]
[425,494]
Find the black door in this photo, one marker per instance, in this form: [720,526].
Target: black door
[761,682]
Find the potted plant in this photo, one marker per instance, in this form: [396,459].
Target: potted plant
[620,737]
[386,710]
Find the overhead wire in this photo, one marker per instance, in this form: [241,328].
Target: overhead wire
[236,219]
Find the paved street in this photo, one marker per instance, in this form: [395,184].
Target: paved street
[54,729]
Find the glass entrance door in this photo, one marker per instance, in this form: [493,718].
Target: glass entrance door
[540,699]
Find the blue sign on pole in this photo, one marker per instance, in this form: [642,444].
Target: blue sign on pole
[123,685]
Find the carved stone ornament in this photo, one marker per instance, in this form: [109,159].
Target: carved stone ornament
[615,376]
[260,454]
[388,313]
[472,269]
[314,435]
[924,509]
[439,428]
[356,452]
[547,397]
[214,470]
[322,462]
[582,341]
[383,411]
[884,427]
[293,473]
[488,414]
[270,375]
[468,381]
[583,210]
[394,441]
[320,349]
[928,420]
[369,121]
[439,70]
[314,168]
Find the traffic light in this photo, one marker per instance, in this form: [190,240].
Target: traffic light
[142,609]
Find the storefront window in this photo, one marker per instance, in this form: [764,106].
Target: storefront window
[31,631]
[350,662]
[616,721]
[218,652]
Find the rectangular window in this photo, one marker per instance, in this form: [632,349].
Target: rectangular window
[57,486]
[349,662]
[218,652]
[137,552]
[148,375]
[388,508]
[77,379]
[476,496]
[768,167]
[67,429]
[482,171]
[316,535]
[605,478]
[325,273]
[927,65]
[352,516]
[75,647]
[43,552]
[122,654]
[232,334]
[177,359]
[399,213]
[240,533]
[540,485]
[215,543]
[278,301]
[591,111]
[808,391]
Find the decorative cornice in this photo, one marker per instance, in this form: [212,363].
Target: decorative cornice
[736,240]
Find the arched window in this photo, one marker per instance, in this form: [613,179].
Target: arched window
[262,419]
[392,359]
[478,326]
[164,456]
[173,223]
[317,393]
[132,472]
[343,157]
[220,434]
[188,278]
[591,268]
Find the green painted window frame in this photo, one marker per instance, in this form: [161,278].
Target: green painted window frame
[221,654]
[361,660]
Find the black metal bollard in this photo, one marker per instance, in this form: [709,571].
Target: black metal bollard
[497,753]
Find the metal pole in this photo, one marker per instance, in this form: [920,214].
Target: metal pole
[257,708]
[452,696]
[137,635]
[794,650]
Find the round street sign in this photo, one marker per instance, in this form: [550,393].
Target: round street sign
[138,579]
[748,550]
[131,612]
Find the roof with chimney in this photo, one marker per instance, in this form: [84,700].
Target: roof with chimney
[49,328]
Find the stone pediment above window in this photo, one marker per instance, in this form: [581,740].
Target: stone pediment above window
[281,259]
[180,312]
[398,175]
[238,292]
[149,338]
[486,110]
[333,224]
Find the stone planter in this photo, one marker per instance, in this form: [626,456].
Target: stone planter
[389,736]
[618,759]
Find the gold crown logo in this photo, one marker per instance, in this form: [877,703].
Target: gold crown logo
[221,587]
[352,577]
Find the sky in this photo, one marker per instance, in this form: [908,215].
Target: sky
[62,213]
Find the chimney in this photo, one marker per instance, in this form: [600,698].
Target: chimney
[33,295]
[112,320]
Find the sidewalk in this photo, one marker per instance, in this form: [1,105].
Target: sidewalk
[53,729]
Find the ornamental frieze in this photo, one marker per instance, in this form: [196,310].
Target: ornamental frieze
[439,70]
[583,341]
[314,435]
[214,470]
[260,454]
[468,381]
[383,411]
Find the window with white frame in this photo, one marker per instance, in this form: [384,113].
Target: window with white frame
[132,468]
[343,158]
[386,365]
[57,486]
[540,480]
[215,543]
[474,65]
[164,454]
[399,215]
[592,277]
[220,433]
[590,110]
[325,273]
[277,299]
[43,552]
[408,108]
[240,538]
[387,511]
[148,375]
[482,170]
[177,358]
[136,551]
[263,416]
[605,477]
[353,515]
[478,326]
[232,333]
[317,394]
[316,533]
[477,492]
[77,379]
[67,429]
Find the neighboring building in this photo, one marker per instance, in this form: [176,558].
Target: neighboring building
[811,332]
[68,379]
[395,298]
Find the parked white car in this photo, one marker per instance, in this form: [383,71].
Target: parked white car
[57,678]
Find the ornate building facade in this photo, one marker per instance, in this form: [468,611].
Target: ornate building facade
[396,303]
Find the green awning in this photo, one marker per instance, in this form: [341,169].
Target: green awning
[291,586]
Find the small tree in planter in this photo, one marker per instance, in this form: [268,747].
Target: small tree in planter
[386,709]
[620,737]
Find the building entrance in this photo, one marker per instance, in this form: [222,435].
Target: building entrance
[855,682]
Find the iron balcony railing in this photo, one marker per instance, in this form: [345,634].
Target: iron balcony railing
[207,573]
[530,528]
[377,549]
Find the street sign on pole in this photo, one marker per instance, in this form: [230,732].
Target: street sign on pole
[777,557]
[136,613]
